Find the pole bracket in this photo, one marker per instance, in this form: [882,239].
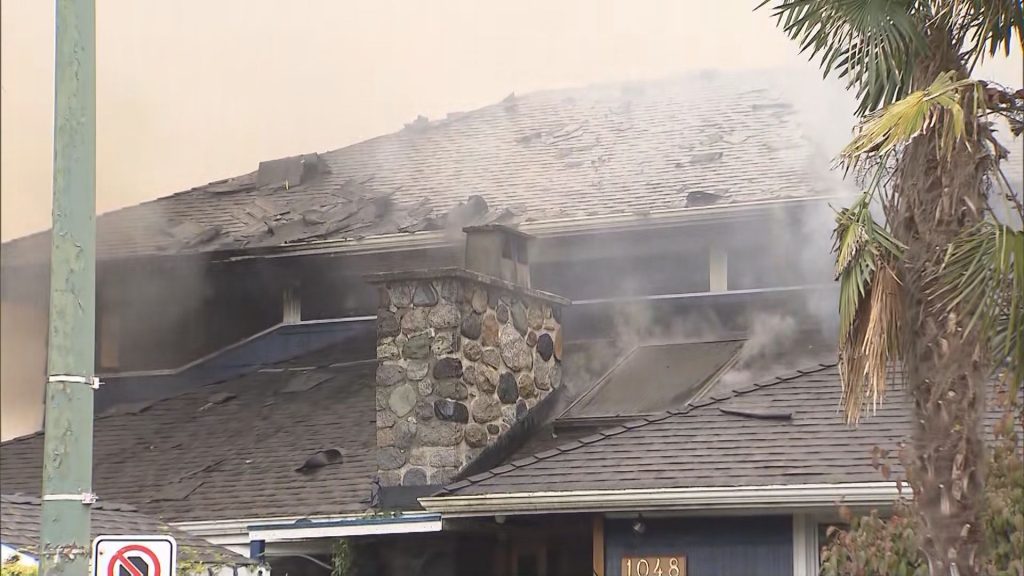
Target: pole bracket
[87,498]
[90,381]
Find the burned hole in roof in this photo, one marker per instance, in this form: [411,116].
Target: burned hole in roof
[322,458]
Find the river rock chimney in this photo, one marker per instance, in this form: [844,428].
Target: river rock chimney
[463,354]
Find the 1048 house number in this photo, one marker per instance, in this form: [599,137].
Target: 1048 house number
[654,566]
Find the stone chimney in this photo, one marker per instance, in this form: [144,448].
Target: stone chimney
[463,354]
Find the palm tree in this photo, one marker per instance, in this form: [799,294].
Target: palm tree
[936,284]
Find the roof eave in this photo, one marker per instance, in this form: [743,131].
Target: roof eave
[541,228]
[242,531]
[792,496]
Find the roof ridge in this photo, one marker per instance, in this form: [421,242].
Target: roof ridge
[638,423]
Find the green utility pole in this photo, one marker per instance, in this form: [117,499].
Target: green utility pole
[67,457]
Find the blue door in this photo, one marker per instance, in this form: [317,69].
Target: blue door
[734,546]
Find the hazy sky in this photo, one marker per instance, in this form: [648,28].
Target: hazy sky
[191,91]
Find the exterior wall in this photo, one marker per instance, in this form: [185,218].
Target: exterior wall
[752,546]
[461,361]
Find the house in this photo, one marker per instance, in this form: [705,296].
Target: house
[19,535]
[636,190]
[382,343]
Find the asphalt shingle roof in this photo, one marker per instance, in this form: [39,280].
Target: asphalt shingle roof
[20,520]
[784,431]
[231,450]
[562,155]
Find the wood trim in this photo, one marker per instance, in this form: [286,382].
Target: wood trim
[598,544]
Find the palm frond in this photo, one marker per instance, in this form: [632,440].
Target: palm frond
[938,105]
[871,43]
[982,279]
[983,26]
[870,306]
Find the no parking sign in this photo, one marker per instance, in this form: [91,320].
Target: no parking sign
[118,555]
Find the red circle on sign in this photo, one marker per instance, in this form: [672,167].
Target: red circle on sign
[121,557]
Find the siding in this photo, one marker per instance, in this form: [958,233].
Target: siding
[752,546]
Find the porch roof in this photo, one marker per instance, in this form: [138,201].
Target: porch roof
[785,431]
[293,439]
[20,522]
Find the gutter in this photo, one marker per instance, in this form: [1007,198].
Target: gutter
[704,499]
[242,532]
[363,526]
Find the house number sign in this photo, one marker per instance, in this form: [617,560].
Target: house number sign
[654,566]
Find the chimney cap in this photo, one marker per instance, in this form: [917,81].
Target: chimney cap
[464,274]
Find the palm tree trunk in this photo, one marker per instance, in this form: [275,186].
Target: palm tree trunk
[936,196]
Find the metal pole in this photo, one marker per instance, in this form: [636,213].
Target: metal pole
[67,457]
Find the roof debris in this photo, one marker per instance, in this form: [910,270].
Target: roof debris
[306,381]
[128,408]
[290,171]
[189,234]
[215,399]
[706,157]
[322,458]
[420,123]
[755,412]
[696,198]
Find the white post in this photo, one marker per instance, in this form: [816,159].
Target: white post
[718,271]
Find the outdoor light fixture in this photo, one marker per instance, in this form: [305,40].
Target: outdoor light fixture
[638,525]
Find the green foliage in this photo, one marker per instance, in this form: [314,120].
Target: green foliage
[876,546]
[983,276]
[983,26]
[13,567]
[871,43]
[883,131]
[1004,504]
[342,559]
[877,45]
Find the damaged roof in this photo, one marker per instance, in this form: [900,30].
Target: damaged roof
[279,442]
[712,139]
[20,521]
[784,431]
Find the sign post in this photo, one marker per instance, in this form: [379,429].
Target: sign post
[119,555]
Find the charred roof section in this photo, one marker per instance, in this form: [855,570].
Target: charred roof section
[559,156]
